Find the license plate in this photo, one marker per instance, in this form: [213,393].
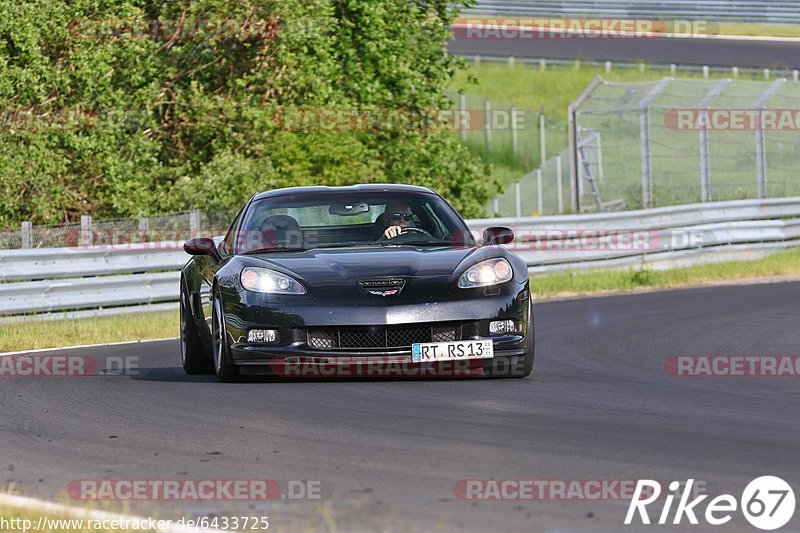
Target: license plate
[423,352]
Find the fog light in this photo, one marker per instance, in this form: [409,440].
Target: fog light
[262,335]
[502,326]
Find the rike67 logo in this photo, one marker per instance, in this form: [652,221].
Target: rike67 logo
[767,502]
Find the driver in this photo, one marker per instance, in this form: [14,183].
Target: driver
[395,217]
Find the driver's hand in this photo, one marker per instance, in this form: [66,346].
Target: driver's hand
[392,232]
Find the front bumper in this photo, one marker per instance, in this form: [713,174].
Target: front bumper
[294,323]
[299,360]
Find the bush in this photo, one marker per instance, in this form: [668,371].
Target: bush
[152,125]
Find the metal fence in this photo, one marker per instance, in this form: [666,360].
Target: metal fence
[677,141]
[527,149]
[116,231]
[543,190]
[769,11]
[109,278]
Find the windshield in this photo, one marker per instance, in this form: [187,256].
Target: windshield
[342,219]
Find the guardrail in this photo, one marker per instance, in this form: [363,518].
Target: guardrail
[108,277]
[48,263]
[767,11]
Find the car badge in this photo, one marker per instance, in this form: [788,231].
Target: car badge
[382,287]
[391,292]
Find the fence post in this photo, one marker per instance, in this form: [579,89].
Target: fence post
[496,205]
[86,230]
[542,137]
[464,117]
[518,198]
[194,223]
[644,132]
[572,138]
[488,123]
[543,64]
[559,185]
[761,149]
[647,169]
[514,132]
[144,228]
[705,170]
[608,67]
[539,199]
[26,234]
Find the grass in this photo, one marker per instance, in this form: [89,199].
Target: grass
[550,286]
[763,30]
[143,326]
[36,334]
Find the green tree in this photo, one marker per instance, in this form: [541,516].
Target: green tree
[102,123]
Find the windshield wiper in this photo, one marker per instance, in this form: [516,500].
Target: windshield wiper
[270,250]
[424,243]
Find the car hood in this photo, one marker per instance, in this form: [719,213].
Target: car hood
[321,267]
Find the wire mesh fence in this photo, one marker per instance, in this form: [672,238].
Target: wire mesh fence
[498,131]
[675,141]
[516,142]
[522,198]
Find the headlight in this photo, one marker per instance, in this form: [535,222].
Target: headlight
[265,280]
[489,272]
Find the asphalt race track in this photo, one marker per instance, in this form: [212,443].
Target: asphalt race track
[716,51]
[599,406]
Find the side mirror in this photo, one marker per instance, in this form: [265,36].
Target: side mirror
[201,246]
[497,235]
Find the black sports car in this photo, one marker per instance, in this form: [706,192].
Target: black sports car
[366,273]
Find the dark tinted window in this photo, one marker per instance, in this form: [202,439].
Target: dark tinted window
[340,219]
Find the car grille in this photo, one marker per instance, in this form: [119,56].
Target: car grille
[367,337]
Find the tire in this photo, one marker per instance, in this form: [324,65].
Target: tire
[194,358]
[523,368]
[226,372]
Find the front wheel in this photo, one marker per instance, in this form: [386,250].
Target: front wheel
[194,358]
[226,372]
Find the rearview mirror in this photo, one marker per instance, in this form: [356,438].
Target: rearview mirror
[353,209]
[201,246]
[497,235]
